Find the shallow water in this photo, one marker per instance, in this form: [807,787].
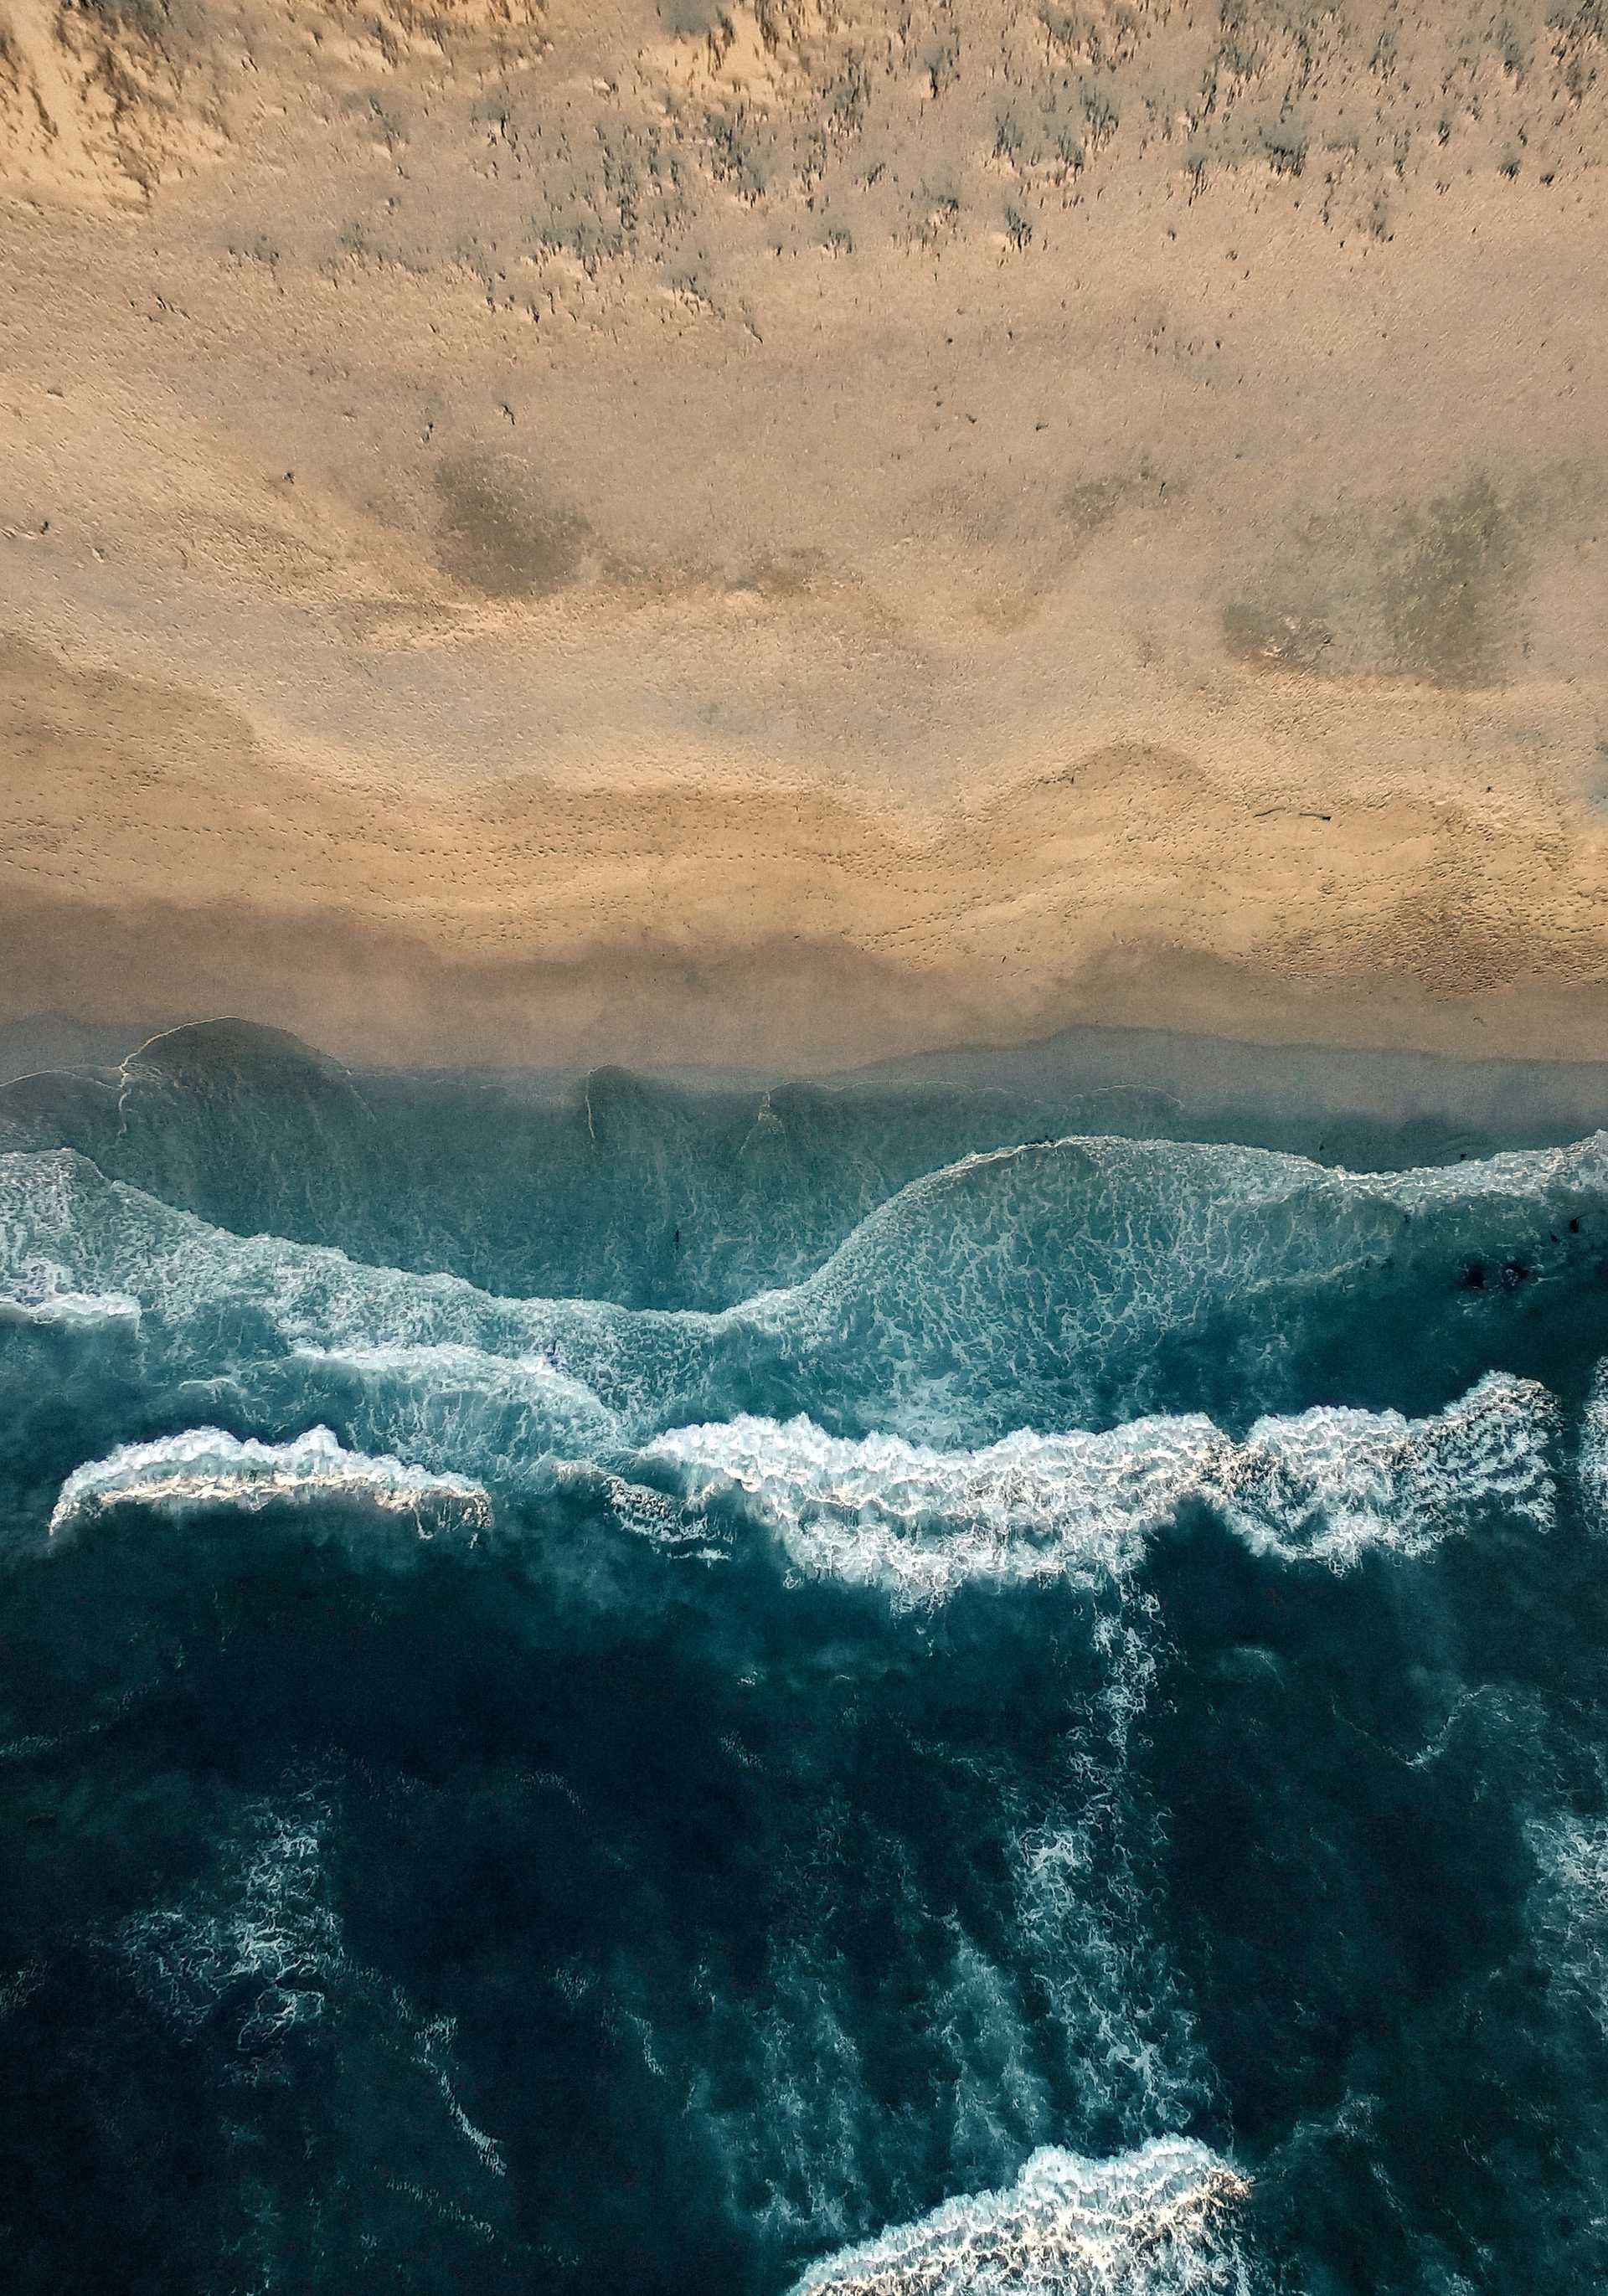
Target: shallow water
[738,1692]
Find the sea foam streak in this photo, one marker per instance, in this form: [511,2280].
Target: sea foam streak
[1147,2224]
[204,1467]
[1592,1466]
[1322,1486]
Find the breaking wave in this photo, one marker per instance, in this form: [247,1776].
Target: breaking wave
[1076,1283]
[1148,2224]
[1322,1487]
[204,1467]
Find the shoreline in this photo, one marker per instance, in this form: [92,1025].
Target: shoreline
[1364,1107]
[372,997]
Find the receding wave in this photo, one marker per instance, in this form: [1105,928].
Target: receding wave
[1063,1285]
[1090,1279]
[457,1404]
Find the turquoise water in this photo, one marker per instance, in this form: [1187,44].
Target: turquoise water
[907,1690]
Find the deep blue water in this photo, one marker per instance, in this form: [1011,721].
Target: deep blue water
[706,1694]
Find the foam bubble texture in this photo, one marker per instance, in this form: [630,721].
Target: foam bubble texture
[1322,1486]
[1036,1286]
[204,1468]
[1147,2223]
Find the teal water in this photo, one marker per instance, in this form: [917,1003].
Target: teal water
[918,1689]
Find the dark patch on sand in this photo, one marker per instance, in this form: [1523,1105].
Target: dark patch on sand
[1429,593]
[1090,505]
[1448,595]
[500,532]
[1272,633]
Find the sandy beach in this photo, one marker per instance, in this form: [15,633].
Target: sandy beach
[796,536]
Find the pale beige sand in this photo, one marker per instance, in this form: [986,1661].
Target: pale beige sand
[791,534]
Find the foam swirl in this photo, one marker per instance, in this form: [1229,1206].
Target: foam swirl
[1071,1283]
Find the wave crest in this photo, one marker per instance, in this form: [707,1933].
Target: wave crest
[1156,2220]
[917,1523]
[205,1468]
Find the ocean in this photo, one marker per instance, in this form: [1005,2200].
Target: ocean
[919,1689]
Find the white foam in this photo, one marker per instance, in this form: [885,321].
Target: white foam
[204,1467]
[1568,1907]
[270,1943]
[196,1282]
[1130,2048]
[1592,1460]
[1148,2223]
[1327,1485]
[1032,1286]
[500,1413]
[1320,1488]
[40,1292]
[1038,1282]
[918,1523]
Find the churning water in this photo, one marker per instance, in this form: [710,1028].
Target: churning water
[715,1695]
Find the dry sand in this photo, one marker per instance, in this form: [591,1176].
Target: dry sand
[791,534]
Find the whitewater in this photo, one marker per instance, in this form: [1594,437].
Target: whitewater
[774,1693]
